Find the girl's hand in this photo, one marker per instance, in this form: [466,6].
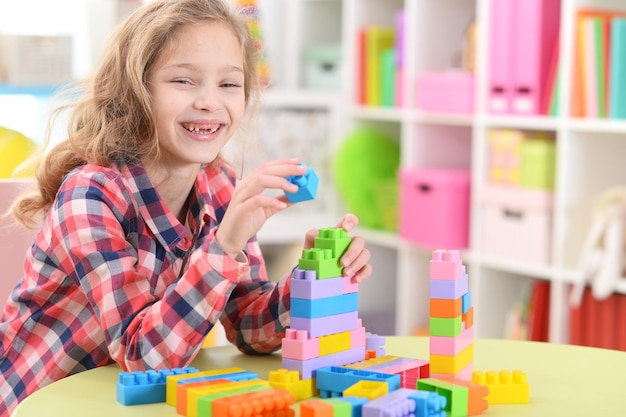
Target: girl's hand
[355,259]
[249,208]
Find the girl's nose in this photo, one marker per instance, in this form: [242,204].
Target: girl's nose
[207,99]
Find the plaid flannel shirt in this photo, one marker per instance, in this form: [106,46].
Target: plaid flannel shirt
[113,276]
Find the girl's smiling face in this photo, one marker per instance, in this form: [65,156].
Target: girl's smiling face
[197,88]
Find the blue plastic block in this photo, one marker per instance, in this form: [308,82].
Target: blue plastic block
[466,301]
[324,307]
[335,380]
[429,404]
[307,186]
[145,387]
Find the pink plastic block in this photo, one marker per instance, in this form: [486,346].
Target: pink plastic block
[357,337]
[451,346]
[297,345]
[322,326]
[446,264]
[434,207]
[406,365]
[447,289]
[304,285]
[448,92]
[349,286]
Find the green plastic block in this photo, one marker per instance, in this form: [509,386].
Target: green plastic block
[457,396]
[333,238]
[447,327]
[320,261]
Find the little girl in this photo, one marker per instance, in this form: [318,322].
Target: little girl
[147,238]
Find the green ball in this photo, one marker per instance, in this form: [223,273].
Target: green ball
[366,161]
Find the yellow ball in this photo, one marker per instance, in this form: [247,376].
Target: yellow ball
[15,148]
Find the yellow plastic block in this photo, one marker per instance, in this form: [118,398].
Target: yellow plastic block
[194,393]
[367,389]
[443,364]
[505,387]
[372,362]
[172,381]
[290,381]
[334,343]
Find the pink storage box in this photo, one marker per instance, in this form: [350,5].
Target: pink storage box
[449,92]
[517,223]
[434,207]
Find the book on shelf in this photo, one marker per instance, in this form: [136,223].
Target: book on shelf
[598,79]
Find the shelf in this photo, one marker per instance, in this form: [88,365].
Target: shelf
[522,122]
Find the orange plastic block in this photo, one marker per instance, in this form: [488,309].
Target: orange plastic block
[253,404]
[476,401]
[370,354]
[446,308]
[468,318]
[316,408]
[172,381]
[505,387]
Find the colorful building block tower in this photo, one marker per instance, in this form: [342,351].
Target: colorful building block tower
[325,327]
[451,317]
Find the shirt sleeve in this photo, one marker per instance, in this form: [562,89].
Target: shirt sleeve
[257,312]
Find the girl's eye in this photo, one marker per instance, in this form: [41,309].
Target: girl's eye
[181,81]
[230,85]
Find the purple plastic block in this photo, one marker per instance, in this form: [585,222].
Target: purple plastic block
[307,368]
[395,404]
[323,326]
[374,341]
[316,289]
[392,364]
[449,290]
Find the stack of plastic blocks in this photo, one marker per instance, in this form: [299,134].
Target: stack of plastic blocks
[451,317]
[325,327]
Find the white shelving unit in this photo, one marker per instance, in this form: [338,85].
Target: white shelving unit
[589,160]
